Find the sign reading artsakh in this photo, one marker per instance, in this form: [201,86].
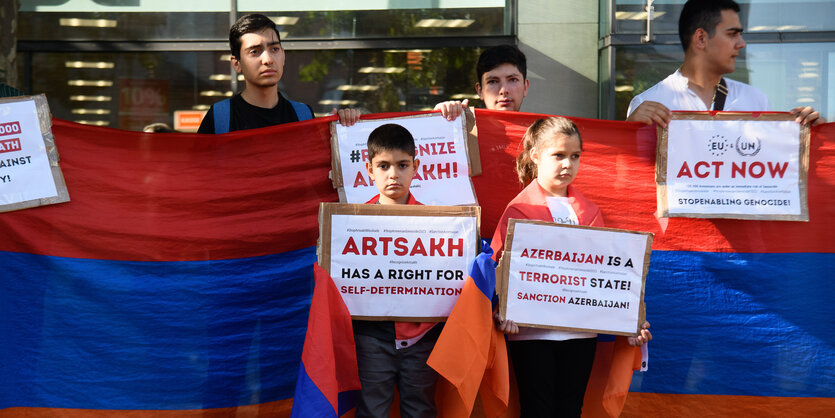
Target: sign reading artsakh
[403,262]
[733,165]
[575,278]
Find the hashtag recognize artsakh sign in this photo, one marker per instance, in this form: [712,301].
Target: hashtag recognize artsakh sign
[443,177]
[733,165]
[398,262]
[29,171]
[574,278]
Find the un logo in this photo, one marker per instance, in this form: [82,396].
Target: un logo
[748,147]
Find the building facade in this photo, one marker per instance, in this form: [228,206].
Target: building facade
[128,63]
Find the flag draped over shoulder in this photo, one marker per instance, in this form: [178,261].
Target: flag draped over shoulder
[471,355]
[177,280]
[328,378]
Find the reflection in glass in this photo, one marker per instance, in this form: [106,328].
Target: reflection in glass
[756,15]
[794,74]
[112,26]
[129,90]
[347,24]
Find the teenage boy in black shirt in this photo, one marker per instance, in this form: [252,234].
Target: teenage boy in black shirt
[258,55]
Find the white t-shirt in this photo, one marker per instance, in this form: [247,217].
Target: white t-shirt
[562,213]
[675,93]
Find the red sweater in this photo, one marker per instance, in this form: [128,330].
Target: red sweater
[530,203]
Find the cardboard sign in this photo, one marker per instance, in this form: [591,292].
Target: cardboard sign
[733,165]
[443,177]
[574,278]
[29,172]
[399,262]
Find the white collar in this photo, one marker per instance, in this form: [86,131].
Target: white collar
[681,81]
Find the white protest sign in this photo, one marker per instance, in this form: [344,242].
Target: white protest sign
[398,262]
[441,146]
[752,168]
[29,172]
[574,277]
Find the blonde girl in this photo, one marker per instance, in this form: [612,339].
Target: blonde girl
[552,367]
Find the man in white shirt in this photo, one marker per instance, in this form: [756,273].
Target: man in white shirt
[711,35]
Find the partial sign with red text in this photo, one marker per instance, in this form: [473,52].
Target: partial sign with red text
[25,171]
[443,177]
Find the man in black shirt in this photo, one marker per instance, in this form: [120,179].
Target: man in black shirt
[257,54]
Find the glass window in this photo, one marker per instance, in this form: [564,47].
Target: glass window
[380,80]
[292,25]
[209,20]
[631,16]
[638,68]
[756,15]
[389,23]
[122,90]
[114,26]
[790,74]
[129,90]
[794,74]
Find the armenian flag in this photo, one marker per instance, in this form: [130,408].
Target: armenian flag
[178,281]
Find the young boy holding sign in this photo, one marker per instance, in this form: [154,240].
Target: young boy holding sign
[392,353]
[552,367]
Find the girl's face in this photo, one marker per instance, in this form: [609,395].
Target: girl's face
[557,161]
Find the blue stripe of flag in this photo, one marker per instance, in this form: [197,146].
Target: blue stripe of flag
[100,334]
[741,324]
[309,401]
[479,269]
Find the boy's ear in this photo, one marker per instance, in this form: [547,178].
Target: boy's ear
[478,89]
[416,164]
[369,168]
[236,64]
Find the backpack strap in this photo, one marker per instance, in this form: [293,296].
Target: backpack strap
[720,95]
[302,110]
[221,114]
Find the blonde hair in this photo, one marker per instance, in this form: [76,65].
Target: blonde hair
[539,132]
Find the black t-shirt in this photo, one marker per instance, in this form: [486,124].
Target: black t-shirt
[246,116]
